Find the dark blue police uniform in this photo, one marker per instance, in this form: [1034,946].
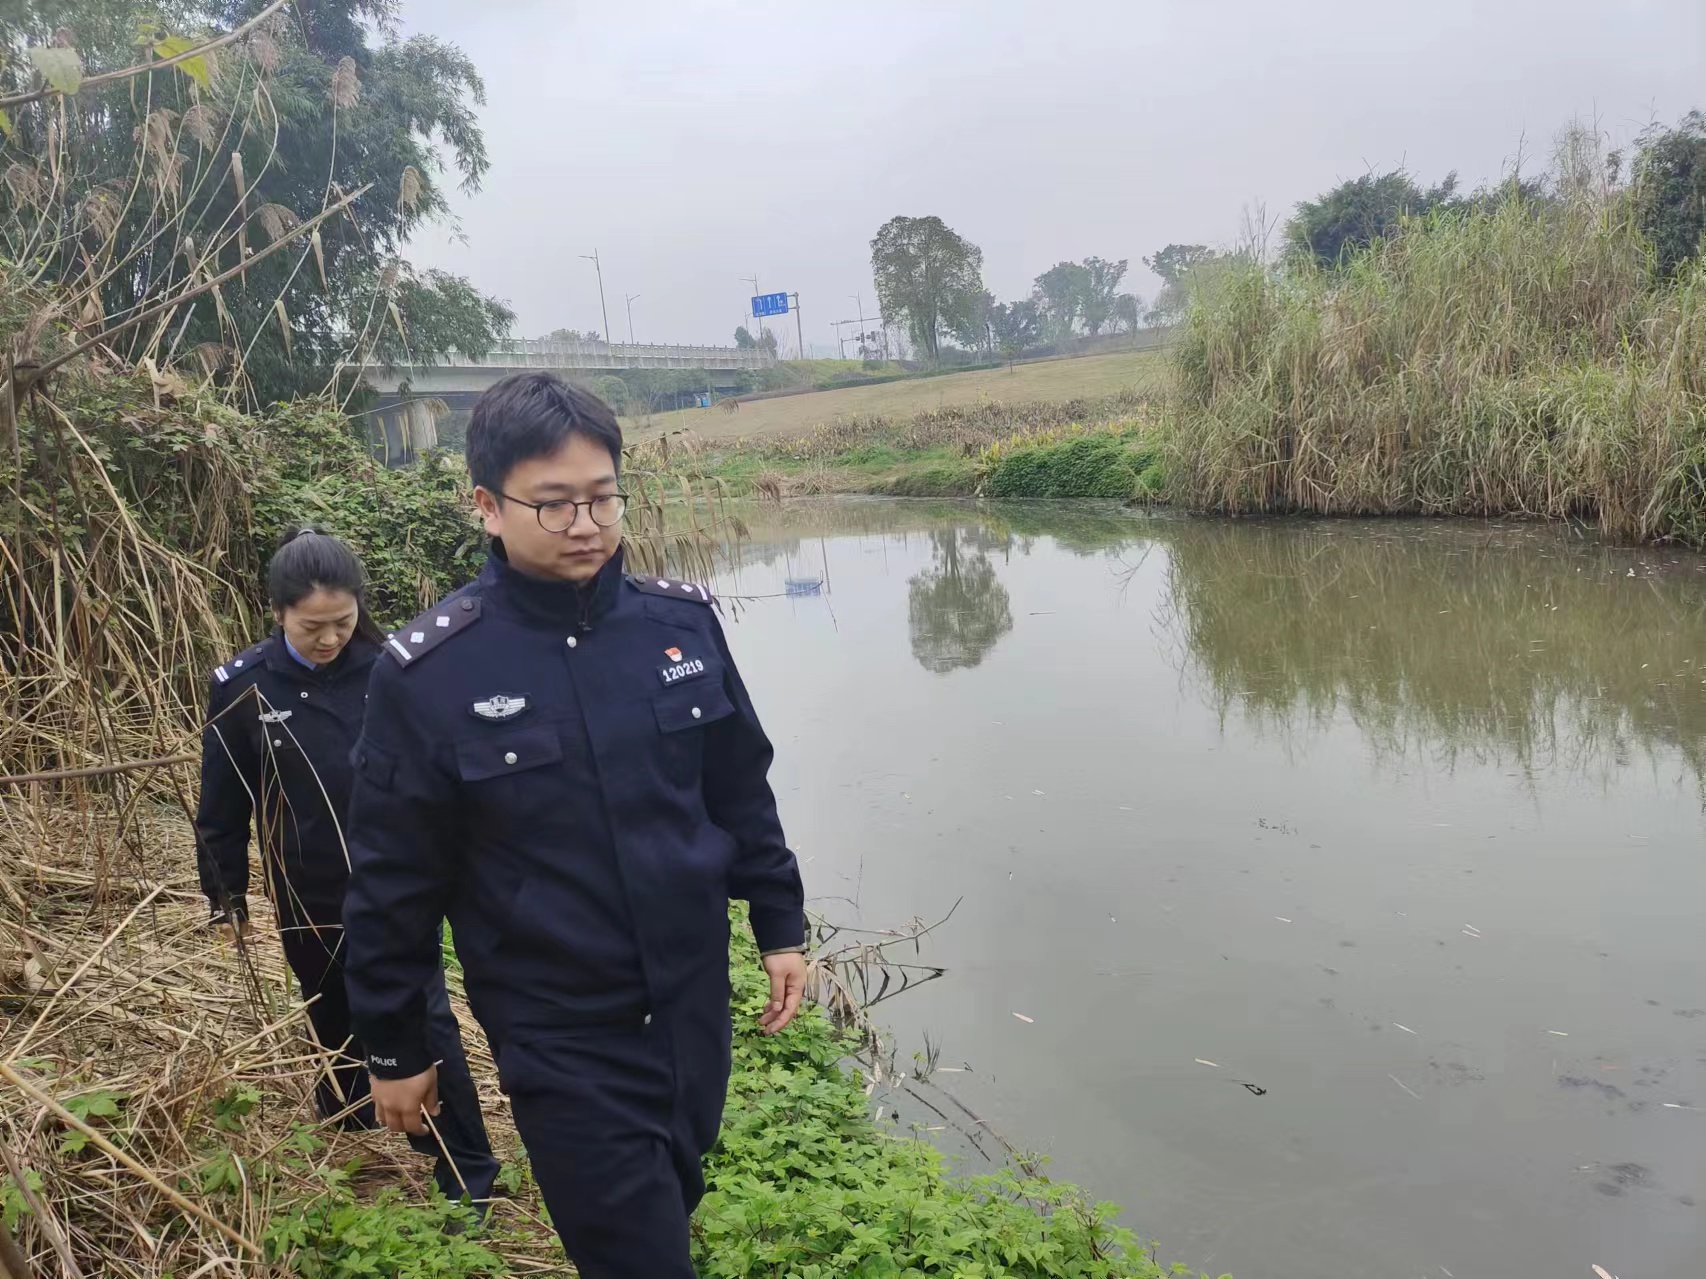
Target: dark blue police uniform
[275,755]
[576,777]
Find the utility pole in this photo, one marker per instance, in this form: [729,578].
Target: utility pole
[599,267]
[799,328]
[631,299]
[753,280]
[860,299]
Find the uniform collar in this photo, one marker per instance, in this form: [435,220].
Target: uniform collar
[357,654]
[559,603]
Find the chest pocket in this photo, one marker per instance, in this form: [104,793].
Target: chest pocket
[500,754]
[681,715]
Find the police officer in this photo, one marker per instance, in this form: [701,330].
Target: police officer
[563,759]
[282,719]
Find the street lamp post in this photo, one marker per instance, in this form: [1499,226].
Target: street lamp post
[604,310]
[631,299]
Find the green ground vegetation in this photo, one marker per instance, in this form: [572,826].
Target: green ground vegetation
[802,1183]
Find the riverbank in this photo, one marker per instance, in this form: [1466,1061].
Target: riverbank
[203,1116]
[1087,376]
[1092,447]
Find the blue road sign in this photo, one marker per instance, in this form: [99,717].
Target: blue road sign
[769,304]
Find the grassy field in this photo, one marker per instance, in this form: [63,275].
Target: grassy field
[1051,380]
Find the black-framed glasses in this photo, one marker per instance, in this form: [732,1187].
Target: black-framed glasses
[559,515]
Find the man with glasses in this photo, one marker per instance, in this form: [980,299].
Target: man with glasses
[563,761]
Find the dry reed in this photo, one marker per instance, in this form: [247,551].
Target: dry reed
[1520,359]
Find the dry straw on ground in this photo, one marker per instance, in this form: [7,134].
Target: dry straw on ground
[142,1059]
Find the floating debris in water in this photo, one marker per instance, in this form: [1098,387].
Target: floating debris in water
[802,585]
[1404,1028]
[1036,792]
[1029,1021]
[1677,1105]
[1601,1270]
[1282,919]
[1204,1061]
[1406,1087]
[1562,1034]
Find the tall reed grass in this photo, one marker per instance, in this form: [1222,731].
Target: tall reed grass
[1520,358]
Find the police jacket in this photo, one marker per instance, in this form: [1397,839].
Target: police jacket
[275,756]
[576,778]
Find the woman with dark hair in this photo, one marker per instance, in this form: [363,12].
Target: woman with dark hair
[282,719]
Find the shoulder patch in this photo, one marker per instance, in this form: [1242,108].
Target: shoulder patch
[673,590]
[247,660]
[414,640]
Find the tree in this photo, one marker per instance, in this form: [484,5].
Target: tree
[1670,189]
[1059,292]
[171,177]
[1174,261]
[744,339]
[1354,214]
[1175,264]
[1016,326]
[928,274]
[1100,283]
[971,327]
[1128,311]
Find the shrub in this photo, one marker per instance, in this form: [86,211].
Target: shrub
[1099,465]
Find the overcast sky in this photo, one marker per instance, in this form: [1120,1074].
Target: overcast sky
[692,143]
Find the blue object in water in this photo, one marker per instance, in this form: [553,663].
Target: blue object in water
[803,585]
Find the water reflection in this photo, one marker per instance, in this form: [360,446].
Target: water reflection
[1507,644]
[957,609]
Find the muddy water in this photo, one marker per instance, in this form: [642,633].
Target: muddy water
[1400,823]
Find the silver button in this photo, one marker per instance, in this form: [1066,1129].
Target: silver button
[695,712]
[509,757]
[573,642]
[304,697]
[648,1019]
[277,741]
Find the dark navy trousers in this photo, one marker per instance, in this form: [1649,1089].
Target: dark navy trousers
[616,1120]
[313,948]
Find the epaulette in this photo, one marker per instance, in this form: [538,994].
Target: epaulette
[673,590]
[414,640]
[248,659]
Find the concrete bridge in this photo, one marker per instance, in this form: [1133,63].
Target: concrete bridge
[403,426]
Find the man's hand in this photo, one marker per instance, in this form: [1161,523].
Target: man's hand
[787,987]
[398,1103]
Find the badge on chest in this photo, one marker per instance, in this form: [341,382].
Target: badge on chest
[679,667]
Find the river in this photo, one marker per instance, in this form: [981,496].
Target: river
[1399,822]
